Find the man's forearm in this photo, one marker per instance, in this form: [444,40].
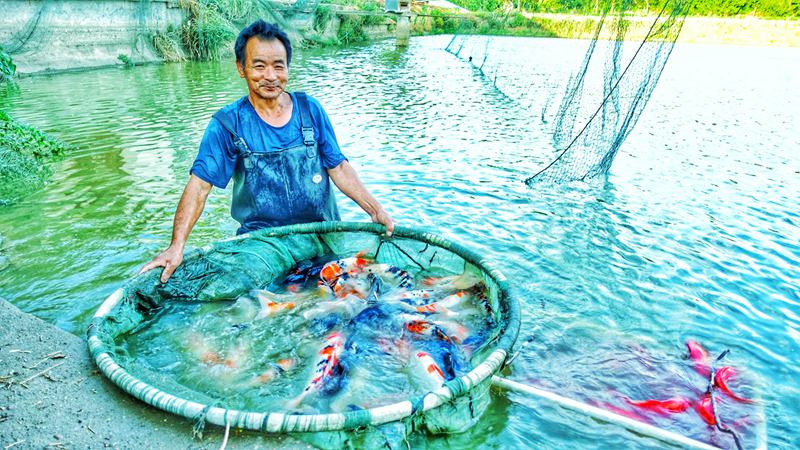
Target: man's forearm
[346,179]
[190,207]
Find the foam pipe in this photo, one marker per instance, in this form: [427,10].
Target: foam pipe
[602,414]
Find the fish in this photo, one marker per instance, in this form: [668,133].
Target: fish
[705,409]
[446,305]
[334,269]
[274,370]
[271,303]
[700,357]
[669,406]
[416,297]
[392,275]
[721,378]
[620,411]
[329,373]
[427,373]
[425,328]
[347,307]
[466,280]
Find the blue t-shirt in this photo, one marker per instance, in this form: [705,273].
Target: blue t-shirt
[216,159]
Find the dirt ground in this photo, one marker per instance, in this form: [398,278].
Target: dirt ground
[52,396]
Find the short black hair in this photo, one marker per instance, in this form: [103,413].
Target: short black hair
[264,31]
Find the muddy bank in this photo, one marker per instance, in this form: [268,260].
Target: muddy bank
[51,395]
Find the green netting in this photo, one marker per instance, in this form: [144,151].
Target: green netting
[602,99]
[226,270]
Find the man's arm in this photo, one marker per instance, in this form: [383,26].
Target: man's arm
[346,179]
[189,209]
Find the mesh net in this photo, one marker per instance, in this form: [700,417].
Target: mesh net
[226,270]
[603,99]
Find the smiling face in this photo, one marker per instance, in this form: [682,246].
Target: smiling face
[265,68]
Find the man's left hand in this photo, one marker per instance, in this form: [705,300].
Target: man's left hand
[383,218]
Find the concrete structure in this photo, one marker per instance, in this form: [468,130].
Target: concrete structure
[43,35]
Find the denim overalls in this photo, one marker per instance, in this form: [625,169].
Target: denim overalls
[280,187]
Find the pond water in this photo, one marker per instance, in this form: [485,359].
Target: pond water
[695,235]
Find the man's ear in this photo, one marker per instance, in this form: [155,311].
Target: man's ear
[240,68]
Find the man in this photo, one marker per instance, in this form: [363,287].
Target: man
[278,147]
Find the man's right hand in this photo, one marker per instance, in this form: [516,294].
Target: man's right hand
[169,259]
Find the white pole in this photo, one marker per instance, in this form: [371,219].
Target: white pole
[599,413]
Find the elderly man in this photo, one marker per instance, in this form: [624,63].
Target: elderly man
[278,147]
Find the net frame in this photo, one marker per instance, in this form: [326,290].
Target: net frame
[281,422]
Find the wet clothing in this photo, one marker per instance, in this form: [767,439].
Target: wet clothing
[279,173]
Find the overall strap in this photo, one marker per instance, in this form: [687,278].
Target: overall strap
[225,120]
[305,118]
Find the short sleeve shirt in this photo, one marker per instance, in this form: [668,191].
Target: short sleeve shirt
[216,159]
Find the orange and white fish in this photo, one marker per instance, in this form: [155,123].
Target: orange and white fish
[271,303]
[328,368]
[427,372]
[274,370]
[334,269]
[446,305]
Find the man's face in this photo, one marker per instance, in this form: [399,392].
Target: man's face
[264,67]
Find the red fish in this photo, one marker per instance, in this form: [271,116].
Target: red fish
[700,357]
[721,381]
[327,364]
[670,406]
[705,410]
[622,412]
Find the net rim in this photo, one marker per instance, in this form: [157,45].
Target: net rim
[280,422]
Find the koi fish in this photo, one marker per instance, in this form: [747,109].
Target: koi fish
[348,306]
[425,328]
[700,357]
[721,378]
[274,370]
[622,412]
[392,275]
[670,406]
[445,305]
[427,372]
[705,409]
[334,269]
[329,371]
[415,298]
[271,303]
[466,280]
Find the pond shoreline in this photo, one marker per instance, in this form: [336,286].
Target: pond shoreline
[53,395]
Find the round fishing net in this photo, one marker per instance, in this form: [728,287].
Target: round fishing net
[224,340]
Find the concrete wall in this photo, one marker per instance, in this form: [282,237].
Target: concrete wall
[73,34]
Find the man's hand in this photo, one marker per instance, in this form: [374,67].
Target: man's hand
[382,217]
[169,259]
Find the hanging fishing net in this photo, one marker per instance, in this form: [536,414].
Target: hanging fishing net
[604,98]
[219,343]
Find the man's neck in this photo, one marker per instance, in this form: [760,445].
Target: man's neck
[269,108]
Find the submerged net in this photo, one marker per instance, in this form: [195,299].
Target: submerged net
[205,287]
[603,100]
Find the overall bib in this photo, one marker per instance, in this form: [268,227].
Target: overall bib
[280,187]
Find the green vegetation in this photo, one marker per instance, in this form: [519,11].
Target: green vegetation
[125,59]
[24,154]
[721,8]
[210,27]
[352,28]
[7,66]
